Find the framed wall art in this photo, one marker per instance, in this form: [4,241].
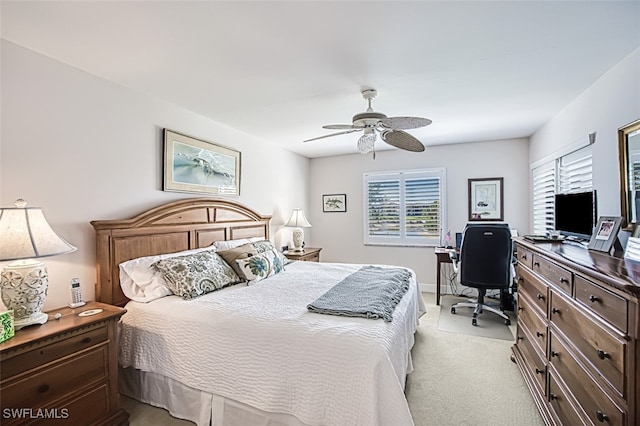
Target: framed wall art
[194,165]
[334,203]
[486,197]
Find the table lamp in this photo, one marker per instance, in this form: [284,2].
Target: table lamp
[298,221]
[26,236]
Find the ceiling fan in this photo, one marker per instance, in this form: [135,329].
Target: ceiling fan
[391,129]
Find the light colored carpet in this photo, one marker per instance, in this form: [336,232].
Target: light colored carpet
[489,324]
[458,379]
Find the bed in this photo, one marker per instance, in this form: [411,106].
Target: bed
[252,354]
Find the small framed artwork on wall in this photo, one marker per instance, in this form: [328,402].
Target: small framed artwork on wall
[334,203]
[486,197]
[194,165]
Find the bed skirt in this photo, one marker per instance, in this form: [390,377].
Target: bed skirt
[191,404]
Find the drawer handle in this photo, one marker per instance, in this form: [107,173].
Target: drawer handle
[593,298]
[602,417]
[555,354]
[520,278]
[563,280]
[43,388]
[539,334]
[524,256]
[520,308]
[552,396]
[555,311]
[540,296]
[602,354]
[538,371]
[520,338]
[86,340]
[536,263]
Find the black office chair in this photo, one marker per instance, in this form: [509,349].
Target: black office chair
[485,263]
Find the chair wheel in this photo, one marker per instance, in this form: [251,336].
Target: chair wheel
[474,322]
[453,310]
[507,322]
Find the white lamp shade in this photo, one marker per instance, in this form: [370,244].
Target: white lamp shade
[298,219]
[25,234]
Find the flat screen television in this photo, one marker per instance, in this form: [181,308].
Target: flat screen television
[576,214]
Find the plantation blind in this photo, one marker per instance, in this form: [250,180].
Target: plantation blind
[404,207]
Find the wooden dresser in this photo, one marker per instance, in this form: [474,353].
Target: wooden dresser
[63,372]
[578,332]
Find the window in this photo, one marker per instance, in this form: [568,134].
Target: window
[571,172]
[404,208]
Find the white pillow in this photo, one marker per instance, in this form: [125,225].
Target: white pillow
[142,282]
[231,244]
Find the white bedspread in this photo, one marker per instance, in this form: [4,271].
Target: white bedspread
[260,346]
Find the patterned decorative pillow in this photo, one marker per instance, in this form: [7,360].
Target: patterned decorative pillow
[266,246]
[241,252]
[260,266]
[196,274]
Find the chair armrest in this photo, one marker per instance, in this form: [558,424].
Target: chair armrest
[454,260]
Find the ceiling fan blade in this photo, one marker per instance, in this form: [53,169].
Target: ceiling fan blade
[333,134]
[402,123]
[402,140]
[341,126]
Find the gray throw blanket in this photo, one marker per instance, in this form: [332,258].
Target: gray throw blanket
[370,292]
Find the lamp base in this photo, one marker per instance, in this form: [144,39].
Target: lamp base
[24,285]
[298,239]
[38,318]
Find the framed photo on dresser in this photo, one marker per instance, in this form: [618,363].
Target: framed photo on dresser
[605,234]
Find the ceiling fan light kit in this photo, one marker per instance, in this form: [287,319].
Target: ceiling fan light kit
[390,128]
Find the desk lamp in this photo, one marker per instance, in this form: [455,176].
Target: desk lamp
[26,236]
[298,221]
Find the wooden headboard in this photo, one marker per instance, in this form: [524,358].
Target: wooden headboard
[172,227]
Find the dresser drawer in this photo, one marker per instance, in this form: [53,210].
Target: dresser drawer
[532,361]
[46,354]
[561,405]
[603,350]
[534,324]
[85,408]
[537,291]
[88,407]
[44,385]
[525,257]
[593,401]
[311,258]
[557,275]
[609,306]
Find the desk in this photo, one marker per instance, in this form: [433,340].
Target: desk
[442,256]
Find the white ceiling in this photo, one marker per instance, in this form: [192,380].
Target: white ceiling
[481,70]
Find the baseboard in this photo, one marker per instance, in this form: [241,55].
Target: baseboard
[431,288]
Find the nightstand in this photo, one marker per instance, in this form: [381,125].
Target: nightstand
[309,254]
[64,371]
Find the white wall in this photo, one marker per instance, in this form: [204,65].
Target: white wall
[83,148]
[341,234]
[611,102]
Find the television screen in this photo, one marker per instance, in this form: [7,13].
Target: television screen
[576,214]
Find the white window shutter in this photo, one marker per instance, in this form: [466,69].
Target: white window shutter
[404,208]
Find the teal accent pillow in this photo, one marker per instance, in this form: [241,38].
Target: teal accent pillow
[266,246]
[196,274]
[260,266]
